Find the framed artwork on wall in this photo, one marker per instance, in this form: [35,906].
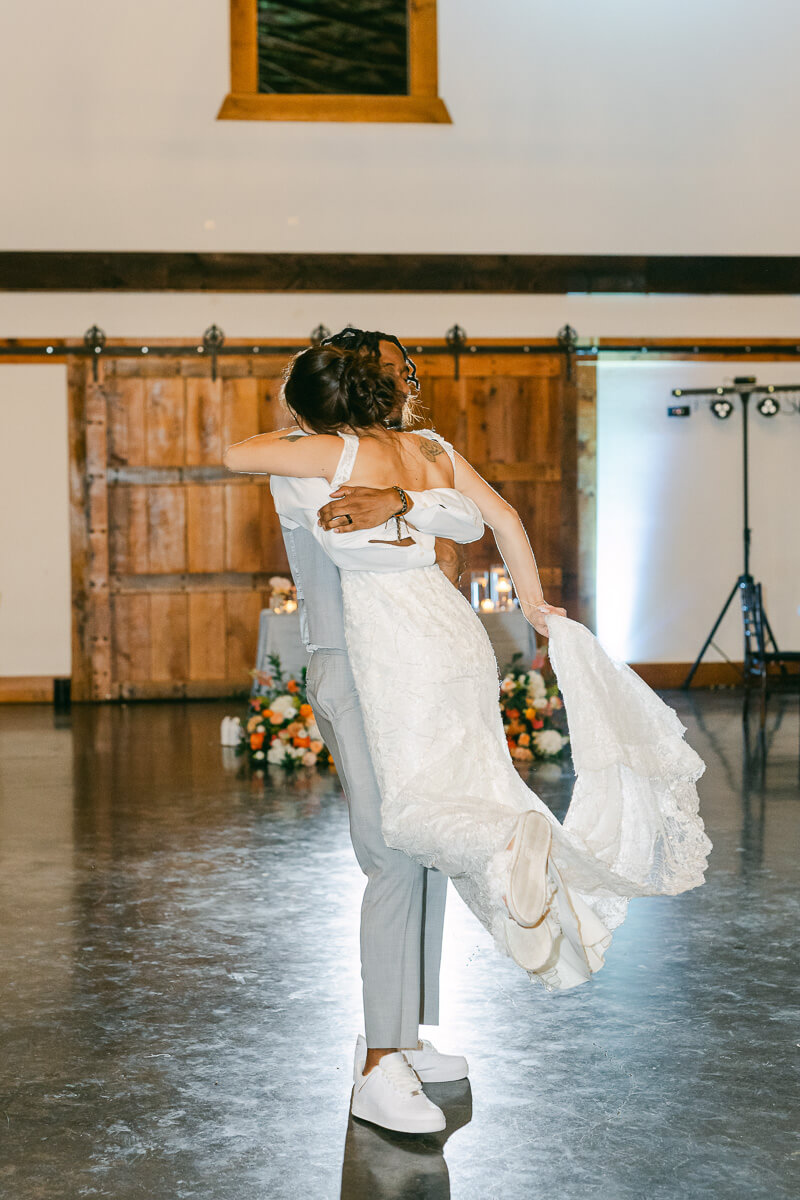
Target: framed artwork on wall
[305,60]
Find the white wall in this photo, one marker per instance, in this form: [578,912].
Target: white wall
[294,315]
[619,127]
[670,511]
[34,522]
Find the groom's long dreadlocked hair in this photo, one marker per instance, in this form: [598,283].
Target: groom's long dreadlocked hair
[369,341]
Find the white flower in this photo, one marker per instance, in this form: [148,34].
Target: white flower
[536,683]
[294,751]
[313,732]
[258,754]
[507,685]
[549,771]
[548,741]
[285,705]
[540,702]
[309,759]
[276,753]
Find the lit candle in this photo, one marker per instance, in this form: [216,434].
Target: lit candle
[487,605]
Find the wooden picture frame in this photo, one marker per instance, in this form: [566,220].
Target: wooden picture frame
[244,102]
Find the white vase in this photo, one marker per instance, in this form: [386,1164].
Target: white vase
[230,733]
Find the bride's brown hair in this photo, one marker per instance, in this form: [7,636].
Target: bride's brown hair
[330,388]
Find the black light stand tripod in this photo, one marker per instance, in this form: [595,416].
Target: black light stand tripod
[744,386]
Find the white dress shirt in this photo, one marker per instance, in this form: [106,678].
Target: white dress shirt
[439,512]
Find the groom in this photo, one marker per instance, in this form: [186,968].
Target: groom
[402,911]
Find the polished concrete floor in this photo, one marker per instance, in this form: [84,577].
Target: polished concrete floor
[181,991]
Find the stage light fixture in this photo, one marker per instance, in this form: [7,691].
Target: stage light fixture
[768,406]
[721,404]
[721,408]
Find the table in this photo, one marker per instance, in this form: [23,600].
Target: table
[279,633]
[510,633]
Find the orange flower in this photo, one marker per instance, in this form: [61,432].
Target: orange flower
[513,728]
[306,711]
[268,713]
[537,724]
[512,745]
[513,713]
[291,686]
[524,739]
[298,741]
[256,741]
[316,747]
[530,714]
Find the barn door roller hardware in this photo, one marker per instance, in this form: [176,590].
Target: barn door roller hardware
[456,338]
[568,341]
[213,341]
[94,339]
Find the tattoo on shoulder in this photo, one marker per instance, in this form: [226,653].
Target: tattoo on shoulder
[291,437]
[430,449]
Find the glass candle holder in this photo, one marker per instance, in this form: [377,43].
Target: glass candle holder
[478,589]
[501,590]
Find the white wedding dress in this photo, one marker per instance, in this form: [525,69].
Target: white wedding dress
[427,681]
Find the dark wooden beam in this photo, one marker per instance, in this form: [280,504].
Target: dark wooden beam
[90,271]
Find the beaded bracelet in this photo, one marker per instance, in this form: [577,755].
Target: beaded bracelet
[402,511]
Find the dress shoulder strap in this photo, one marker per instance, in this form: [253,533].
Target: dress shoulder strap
[347,459]
[437,437]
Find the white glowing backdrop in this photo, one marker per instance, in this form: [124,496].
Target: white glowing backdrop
[669,511]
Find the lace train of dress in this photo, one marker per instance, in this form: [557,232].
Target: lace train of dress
[451,796]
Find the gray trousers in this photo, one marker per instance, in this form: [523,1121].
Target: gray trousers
[402,912]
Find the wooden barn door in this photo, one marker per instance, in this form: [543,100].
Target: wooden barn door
[171,554]
[514,417]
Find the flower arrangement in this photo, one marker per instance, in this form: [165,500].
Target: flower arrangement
[280,728]
[533,712]
[283,594]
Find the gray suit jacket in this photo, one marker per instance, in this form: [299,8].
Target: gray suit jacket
[319,591]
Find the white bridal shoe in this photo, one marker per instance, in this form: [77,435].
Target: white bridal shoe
[429,1064]
[391,1095]
[527,885]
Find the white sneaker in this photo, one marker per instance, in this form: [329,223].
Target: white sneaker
[433,1067]
[391,1095]
[430,1065]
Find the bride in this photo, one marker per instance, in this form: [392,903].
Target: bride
[549,893]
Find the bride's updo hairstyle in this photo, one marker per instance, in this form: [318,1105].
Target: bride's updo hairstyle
[329,388]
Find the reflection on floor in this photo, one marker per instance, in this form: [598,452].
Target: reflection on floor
[181,990]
